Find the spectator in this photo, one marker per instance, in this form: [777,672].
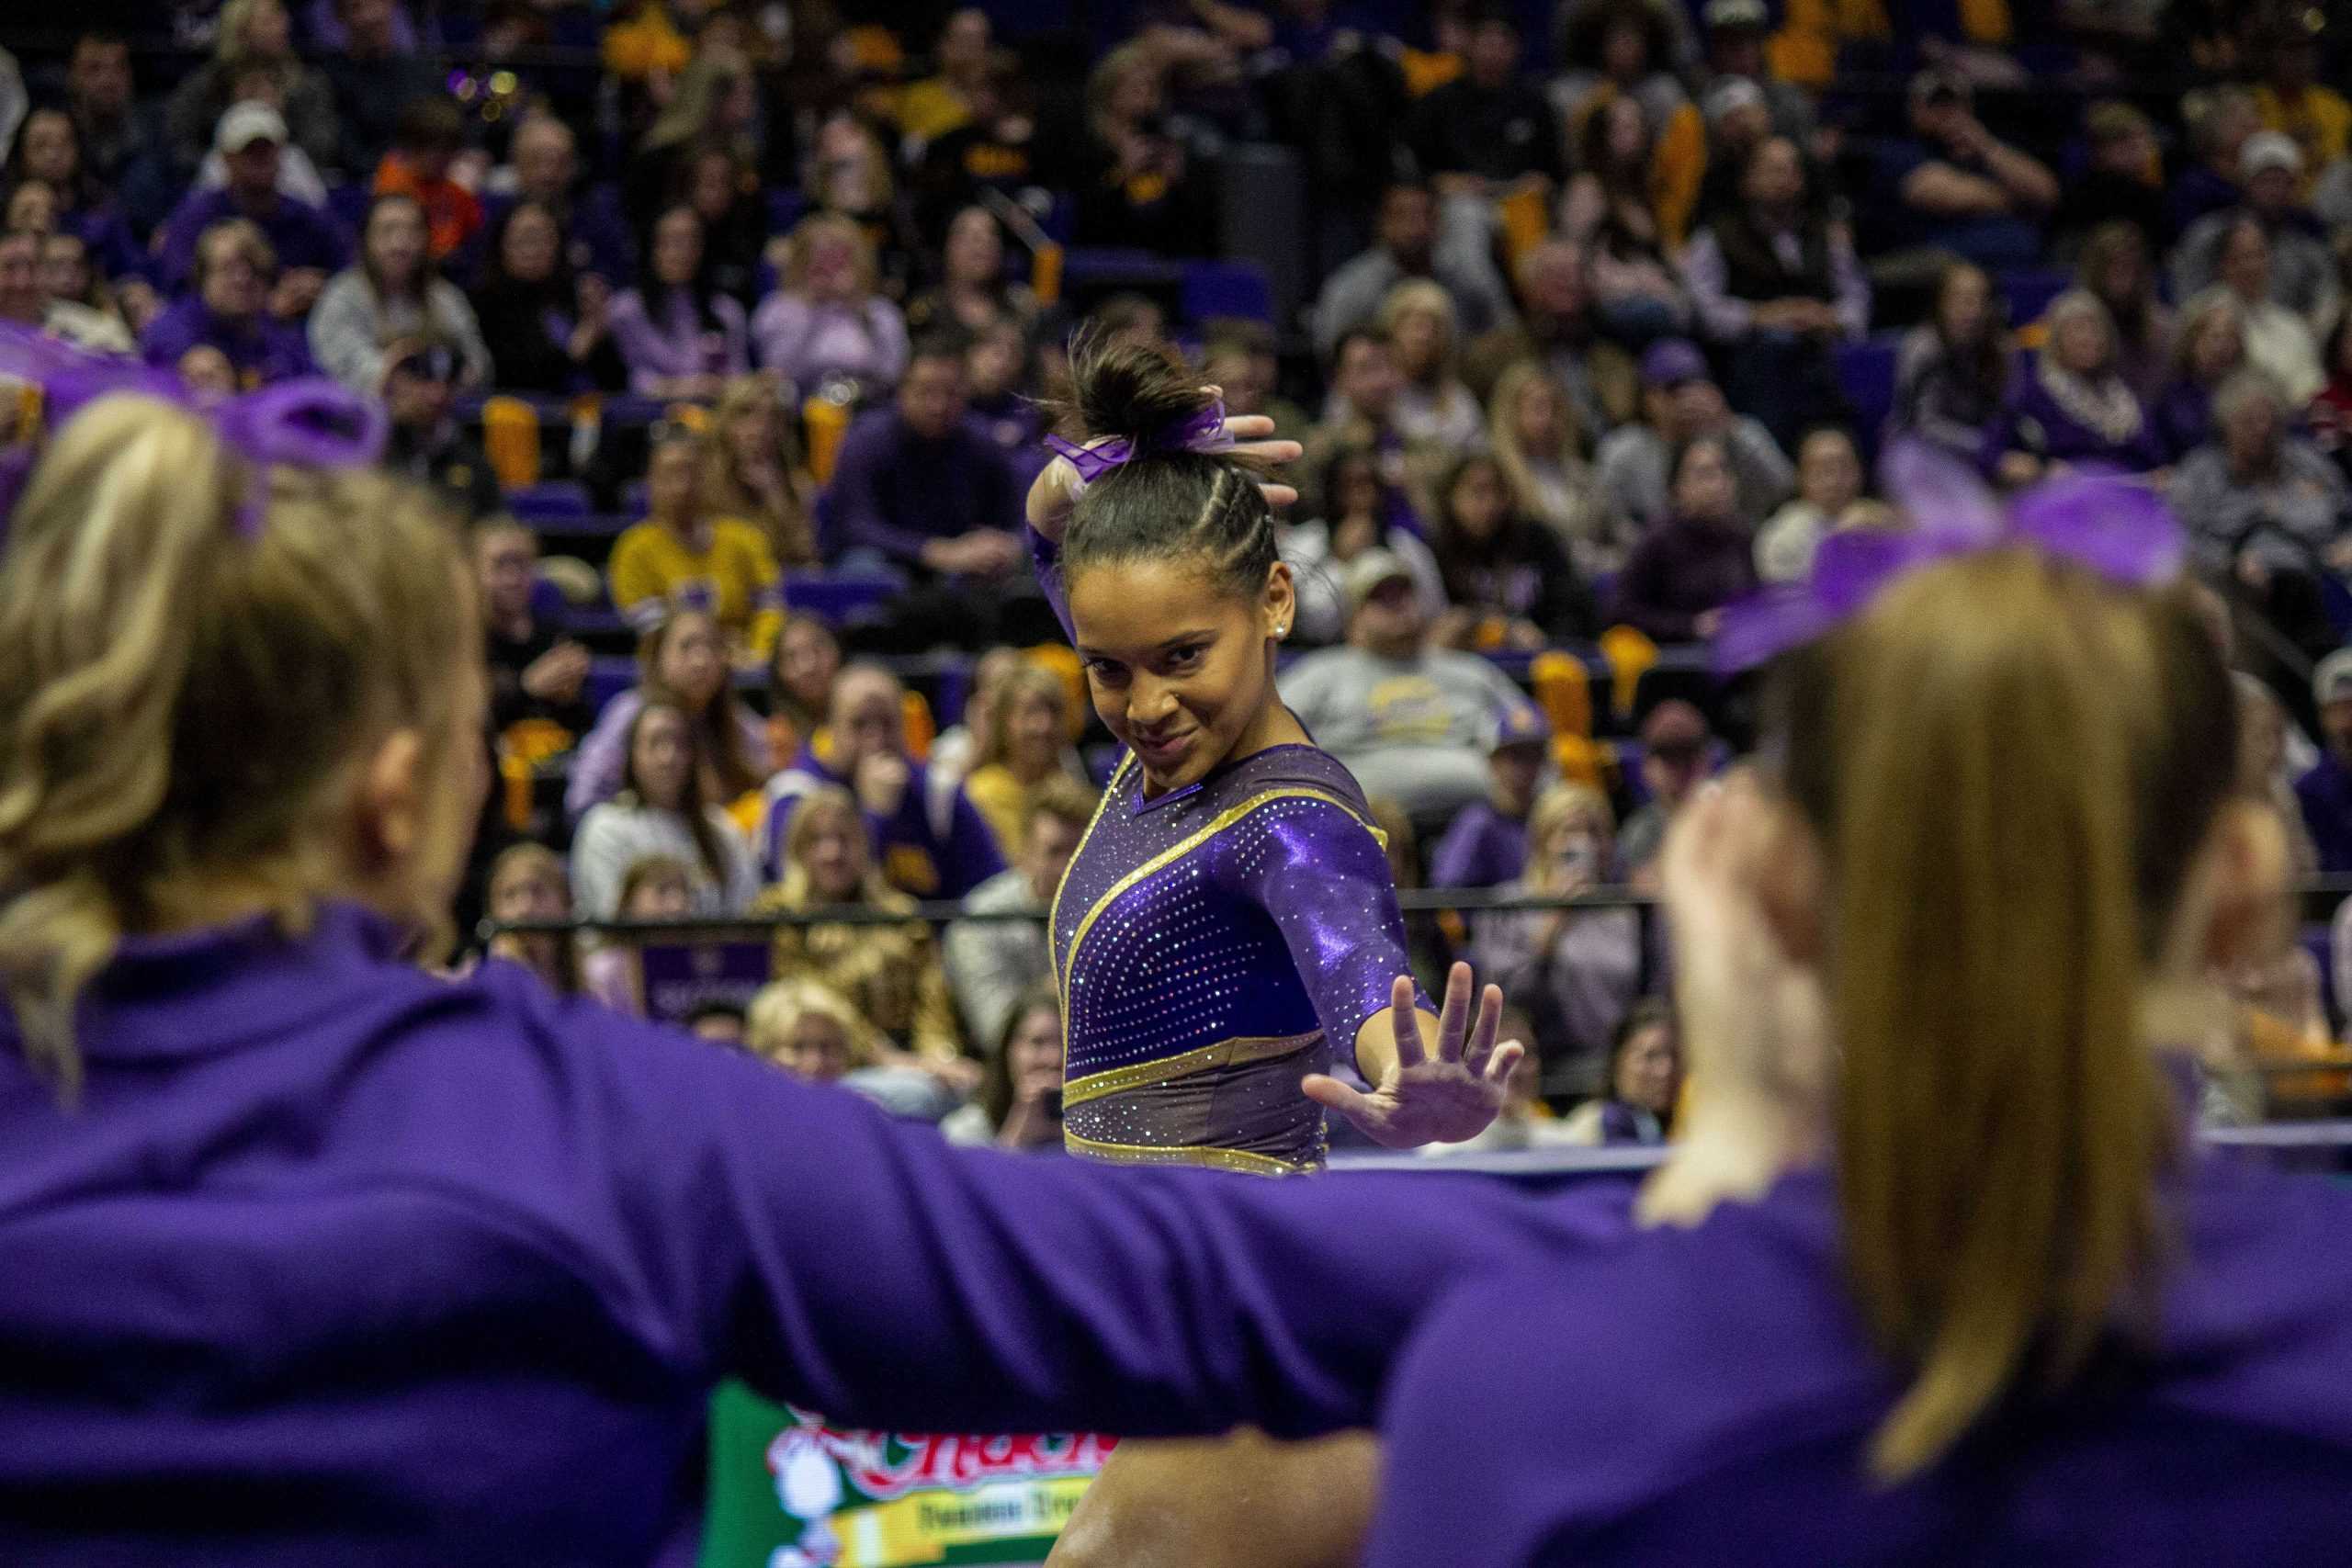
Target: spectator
[1405,246]
[993,963]
[375,74]
[653,888]
[682,661]
[305,240]
[811,1032]
[48,150]
[2075,407]
[685,556]
[1701,558]
[851,178]
[1738,124]
[659,810]
[1678,751]
[1365,411]
[23,302]
[1829,501]
[721,1021]
[952,750]
[751,469]
[1680,403]
[1628,225]
[546,329]
[996,150]
[918,492]
[1777,288]
[922,850]
[1485,845]
[890,973]
[430,134]
[2268,776]
[1736,32]
[973,294]
[2325,791]
[1354,521]
[2302,272]
[1953,186]
[426,443]
[1952,373]
[800,685]
[235,269]
[2219,120]
[1505,575]
[2209,349]
[2266,505]
[253,32]
[1556,328]
[2122,180]
[2290,97]
[528,882]
[1024,748]
[826,322]
[2276,339]
[80,310]
[31,209]
[680,337]
[2116,270]
[1627,47]
[117,137]
[1134,188]
[1532,428]
[2330,413]
[395,294]
[1020,1102]
[536,671]
[715,102]
[207,373]
[1408,721]
[998,368]
[1644,1082]
[724,191]
[1240,357]
[595,238]
[1486,133]
[1432,406]
[1575,970]
[936,105]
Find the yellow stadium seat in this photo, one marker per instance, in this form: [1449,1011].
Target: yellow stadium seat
[509,434]
[1629,653]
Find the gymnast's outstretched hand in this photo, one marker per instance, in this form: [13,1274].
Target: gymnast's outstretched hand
[1434,1080]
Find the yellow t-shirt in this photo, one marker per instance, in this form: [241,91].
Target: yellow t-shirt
[735,580]
[1003,800]
[931,107]
[647,42]
[2320,122]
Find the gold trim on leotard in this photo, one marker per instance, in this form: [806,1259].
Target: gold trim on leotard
[1182,1154]
[1225,1053]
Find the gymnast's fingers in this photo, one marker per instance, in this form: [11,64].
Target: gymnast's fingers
[1453,1018]
[1404,1019]
[1483,1031]
[1279,497]
[1500,1064]
[1332,1095]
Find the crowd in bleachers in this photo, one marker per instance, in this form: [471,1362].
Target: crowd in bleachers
[733,329]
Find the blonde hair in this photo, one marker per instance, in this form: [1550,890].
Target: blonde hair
[530,859]
[802,241]
[779,1006]
[229,37]
[645,870]
[701,87]
[796,890]
[1420,296]
[179,703]
[1559,805]
[792,537]
[2010,768]
[1023,680]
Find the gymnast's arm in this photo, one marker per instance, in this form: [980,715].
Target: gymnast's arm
[796,1237]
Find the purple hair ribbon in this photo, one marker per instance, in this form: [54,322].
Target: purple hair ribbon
[309,422]
[1205,432]
[2107,524]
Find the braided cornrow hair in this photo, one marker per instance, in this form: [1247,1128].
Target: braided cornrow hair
[1161,506]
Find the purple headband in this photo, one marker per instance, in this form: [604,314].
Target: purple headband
[2107,524]
[310,423]
[1205,432]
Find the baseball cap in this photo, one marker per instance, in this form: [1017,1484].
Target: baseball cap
[1731,93]
[1933,84]
[1722,13]
[1517,724]
[1369,570]
[247,123]
[1671,361]
[2333,679]
[2268,150]
[1674,727]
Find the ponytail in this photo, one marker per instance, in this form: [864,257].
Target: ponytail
[1165,502]
[177,697]
[2000,1120]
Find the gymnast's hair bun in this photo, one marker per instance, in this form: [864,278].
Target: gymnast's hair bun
[1132,387]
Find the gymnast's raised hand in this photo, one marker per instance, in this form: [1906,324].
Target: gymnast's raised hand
[1436,1080]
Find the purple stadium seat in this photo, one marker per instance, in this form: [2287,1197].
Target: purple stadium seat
[1226,288]
[550,501]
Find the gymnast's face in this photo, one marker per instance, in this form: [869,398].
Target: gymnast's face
[1181,668]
